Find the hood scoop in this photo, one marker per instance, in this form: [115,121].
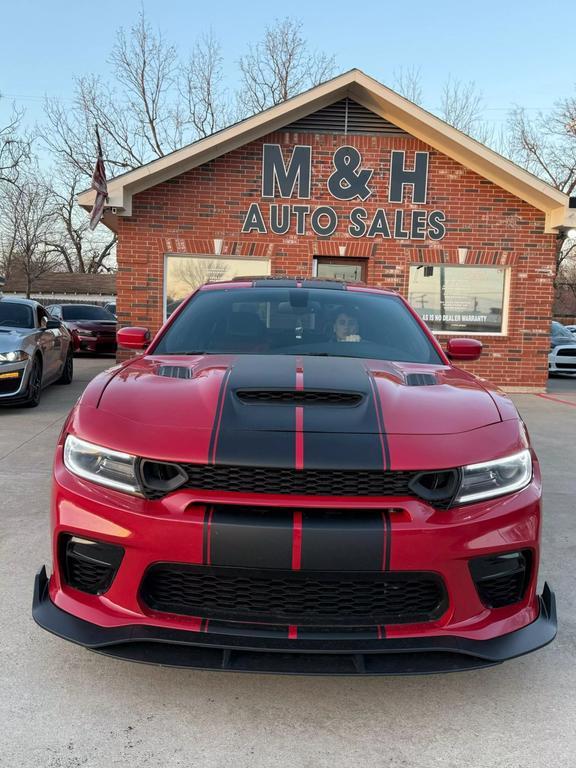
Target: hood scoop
[298,397]
[174,372]
[421,379]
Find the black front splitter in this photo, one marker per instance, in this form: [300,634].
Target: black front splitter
[391,656]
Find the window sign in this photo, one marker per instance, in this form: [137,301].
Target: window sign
[184,274]
[459,299]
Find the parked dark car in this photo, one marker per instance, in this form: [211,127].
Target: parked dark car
[93,328]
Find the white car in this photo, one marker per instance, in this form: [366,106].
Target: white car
[571,328]
[562,355]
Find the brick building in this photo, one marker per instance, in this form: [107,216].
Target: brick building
[351,180]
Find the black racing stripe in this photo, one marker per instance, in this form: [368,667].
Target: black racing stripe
[246,537]
[258,434]
[342,540]
[218,415]
[380,415]
[358,444]
[387,539]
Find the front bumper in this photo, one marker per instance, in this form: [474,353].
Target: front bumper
[562,360]
[14,389]
[96,344]
[389,656]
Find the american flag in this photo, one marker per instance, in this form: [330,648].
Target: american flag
[100,185]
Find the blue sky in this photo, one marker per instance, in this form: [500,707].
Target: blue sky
[516,52]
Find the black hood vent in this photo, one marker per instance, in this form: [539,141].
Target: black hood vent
[298,397]
[174,372]
[421,379]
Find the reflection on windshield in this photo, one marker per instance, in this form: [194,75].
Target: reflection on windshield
[298,321]
[86,312]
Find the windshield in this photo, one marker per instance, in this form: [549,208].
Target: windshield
[560,330]
[298,321]
[16,315]
[85,312]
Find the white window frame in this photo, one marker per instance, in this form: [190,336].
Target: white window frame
[505,302]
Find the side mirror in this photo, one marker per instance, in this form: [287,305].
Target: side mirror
[464,349]
[51,323]
[133,338]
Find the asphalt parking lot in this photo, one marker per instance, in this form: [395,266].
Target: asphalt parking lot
[63,707]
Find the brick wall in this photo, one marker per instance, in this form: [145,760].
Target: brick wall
[185,214]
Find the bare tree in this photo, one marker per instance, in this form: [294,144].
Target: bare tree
[408,83]
[195,272]
[140,117]
[14,148]
[27,222]
[546,144]
[281,65]
[80,249]
[206,106]
[462,106]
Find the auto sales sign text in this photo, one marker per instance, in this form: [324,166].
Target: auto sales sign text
[349,181]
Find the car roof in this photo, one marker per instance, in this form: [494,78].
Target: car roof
[18,300]
[295,282]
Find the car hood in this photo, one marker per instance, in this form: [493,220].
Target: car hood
[241,410]
[12,339]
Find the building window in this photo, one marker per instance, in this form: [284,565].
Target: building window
[460,299]
[351,270]
[183,274]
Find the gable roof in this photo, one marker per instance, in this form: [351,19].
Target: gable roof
[374,96]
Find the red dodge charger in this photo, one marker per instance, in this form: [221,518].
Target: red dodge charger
[294,477]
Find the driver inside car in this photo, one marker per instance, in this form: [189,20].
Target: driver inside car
[346,327]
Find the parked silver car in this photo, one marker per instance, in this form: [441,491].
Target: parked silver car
[35,350]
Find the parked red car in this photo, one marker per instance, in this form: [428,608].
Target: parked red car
[93,328]
[294,477]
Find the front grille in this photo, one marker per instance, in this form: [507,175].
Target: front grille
[436,487]
[294,597]
[569,366]
[569,352]
[306,482]
[298,397]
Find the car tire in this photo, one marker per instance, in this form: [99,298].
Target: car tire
[68,371]
[34,390]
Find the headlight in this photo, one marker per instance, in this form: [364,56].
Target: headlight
[495,478]
[101,465]
[14,357]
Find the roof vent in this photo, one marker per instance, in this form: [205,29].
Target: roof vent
[345,116]
[421,380]
[174,372]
